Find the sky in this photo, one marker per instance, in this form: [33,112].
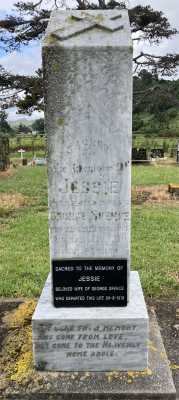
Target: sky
[28,60]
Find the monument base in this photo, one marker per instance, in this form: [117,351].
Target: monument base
[155,384]
[91,339]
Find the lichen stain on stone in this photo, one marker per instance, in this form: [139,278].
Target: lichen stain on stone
[131,374]
[88,17]
[17,354]
[131,49]
[163,355]
[99,16]
[115,372]
[172,366]
[148,372]
[70,20]
[136,374]
[55,64]
[154,348]
[60,122]
[50,38]
[22,316]
[73,187]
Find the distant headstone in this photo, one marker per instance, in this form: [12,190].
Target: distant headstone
[21,151]
[139,153]
[157,153]
[174,152]
[178,152]
[88,324]
[163,148]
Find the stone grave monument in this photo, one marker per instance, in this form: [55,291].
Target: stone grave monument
[139,154]
[157,153]
[173,152]
[91,315]
[21,151]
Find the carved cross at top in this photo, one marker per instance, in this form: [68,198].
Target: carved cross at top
[75,25]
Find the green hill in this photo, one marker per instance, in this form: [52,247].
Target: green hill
[23,121]
[157,113]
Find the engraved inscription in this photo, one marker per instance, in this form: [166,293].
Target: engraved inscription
[91,340]
[112,187]
[90,201]
[89,283]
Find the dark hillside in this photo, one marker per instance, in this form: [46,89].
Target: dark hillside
[155,107]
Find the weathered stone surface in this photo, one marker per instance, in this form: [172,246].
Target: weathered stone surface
[99,28]
[155,384]
[91,339]
[87,59]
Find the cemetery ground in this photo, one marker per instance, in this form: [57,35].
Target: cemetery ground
[36,144]
[24,230]
[24,266]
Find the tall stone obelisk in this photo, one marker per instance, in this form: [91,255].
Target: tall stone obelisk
[87,61]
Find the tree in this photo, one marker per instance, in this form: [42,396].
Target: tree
[24,129]
[11,87]
[38,125]
[146,25]
[152,94]
[4,126]
[146,76]
[5,133]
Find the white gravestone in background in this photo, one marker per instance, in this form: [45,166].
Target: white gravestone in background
[21,151]
[87,61]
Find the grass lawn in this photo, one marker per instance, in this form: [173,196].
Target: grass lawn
[155,249]
[150,125]
[29,181]
[142,176]
[24,243]
[32,146]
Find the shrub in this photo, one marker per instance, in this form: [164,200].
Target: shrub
[172,113]
[137,124]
